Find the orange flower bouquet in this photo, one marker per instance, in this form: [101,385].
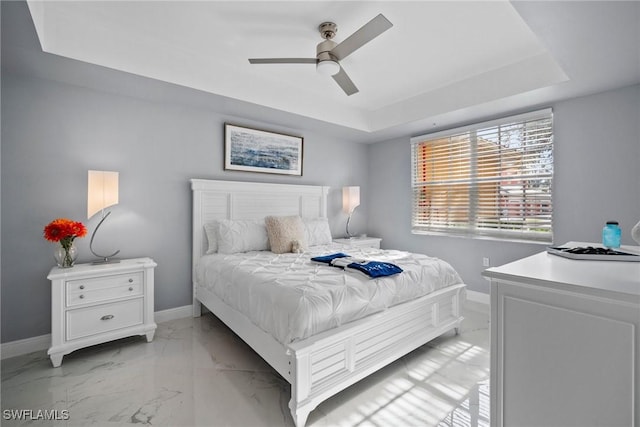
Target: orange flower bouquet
[65,231]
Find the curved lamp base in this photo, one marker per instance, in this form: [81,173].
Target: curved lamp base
[349,235]
[105,259]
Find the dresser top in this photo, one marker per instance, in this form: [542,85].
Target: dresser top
[96,269]
[544,269]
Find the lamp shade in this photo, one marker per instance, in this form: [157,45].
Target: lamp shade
[350,198]
[102,191]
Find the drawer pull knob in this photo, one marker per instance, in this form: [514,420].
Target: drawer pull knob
[130,280]
[130,288]
[81,296]
[81,286]
[107,317]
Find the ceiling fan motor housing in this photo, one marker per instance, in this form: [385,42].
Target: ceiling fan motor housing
[323,51]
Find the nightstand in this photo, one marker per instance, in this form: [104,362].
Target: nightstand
[360,242]
[92,304]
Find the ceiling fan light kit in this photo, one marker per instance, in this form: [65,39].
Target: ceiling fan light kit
[328,67]
[329,53]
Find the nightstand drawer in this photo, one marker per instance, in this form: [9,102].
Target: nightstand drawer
[83,322]
[106,288]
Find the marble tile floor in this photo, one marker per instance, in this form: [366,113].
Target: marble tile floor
[197,372]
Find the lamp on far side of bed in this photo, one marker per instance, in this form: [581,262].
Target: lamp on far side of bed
[102,192]
[350,201]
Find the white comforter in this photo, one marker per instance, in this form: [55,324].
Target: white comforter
[292,298]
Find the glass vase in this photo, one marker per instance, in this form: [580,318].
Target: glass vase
[65,256]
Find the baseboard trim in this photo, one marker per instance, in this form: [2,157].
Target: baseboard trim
[25,346]
[173,313]
[42,342]
[480,297]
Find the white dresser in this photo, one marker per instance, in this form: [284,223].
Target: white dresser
[565,342]
[92,304]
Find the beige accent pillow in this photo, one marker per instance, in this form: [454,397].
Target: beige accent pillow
[283,231]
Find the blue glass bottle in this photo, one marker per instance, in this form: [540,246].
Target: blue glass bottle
[611,235]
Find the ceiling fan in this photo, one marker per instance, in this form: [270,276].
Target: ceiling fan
[329,53]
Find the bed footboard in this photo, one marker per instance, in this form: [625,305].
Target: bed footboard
[325,364]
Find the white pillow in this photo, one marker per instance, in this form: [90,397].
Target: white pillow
[211,231]
[317,231]
[242,236]
[283,231]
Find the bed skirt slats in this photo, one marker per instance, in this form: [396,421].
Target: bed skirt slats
[328,363]
[390,336]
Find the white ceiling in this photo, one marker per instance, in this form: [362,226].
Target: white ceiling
[439,62]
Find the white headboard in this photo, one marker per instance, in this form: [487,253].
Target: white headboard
[250,200]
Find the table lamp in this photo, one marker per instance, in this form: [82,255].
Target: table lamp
[102,192]
[350,201]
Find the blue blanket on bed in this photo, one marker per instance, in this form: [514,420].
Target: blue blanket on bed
[375,269]
[326,259]
[372,269]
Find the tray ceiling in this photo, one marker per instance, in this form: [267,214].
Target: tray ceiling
[439,59]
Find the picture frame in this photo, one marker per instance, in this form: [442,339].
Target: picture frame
[254,150]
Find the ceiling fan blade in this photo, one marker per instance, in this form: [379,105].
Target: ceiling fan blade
[364,35]
[345,82]
[283,60]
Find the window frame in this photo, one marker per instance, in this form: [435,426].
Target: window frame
[469,226]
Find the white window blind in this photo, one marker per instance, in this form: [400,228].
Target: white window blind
[491,179]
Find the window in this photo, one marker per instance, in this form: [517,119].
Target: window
[491,179]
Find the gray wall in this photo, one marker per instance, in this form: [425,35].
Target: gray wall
[52,133]
[597,178]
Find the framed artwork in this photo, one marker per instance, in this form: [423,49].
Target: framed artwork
[253,150]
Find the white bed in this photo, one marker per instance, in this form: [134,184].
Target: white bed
[318,359]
